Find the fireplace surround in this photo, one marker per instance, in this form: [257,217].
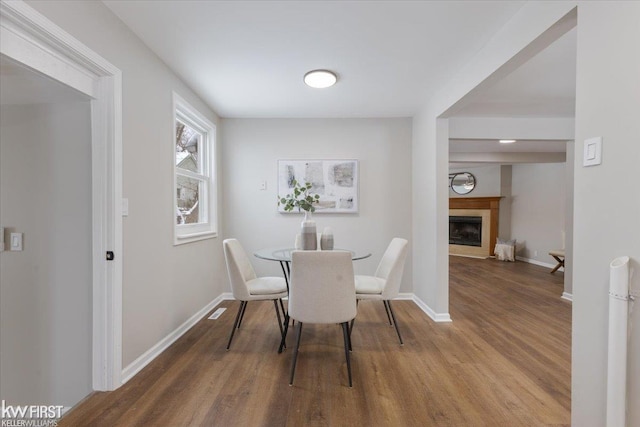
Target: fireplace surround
[473,225]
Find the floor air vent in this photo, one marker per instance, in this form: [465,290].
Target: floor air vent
[217,313]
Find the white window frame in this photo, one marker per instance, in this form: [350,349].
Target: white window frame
[187,233]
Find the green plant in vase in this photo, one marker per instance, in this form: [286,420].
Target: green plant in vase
[300,198]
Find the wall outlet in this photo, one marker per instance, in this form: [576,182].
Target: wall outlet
[262,185]
[535,253]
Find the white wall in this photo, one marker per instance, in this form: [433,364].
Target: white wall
[606,211]
[163,285]
[538,210]
[251,149]
[45,303]
[488,181]
[502,54]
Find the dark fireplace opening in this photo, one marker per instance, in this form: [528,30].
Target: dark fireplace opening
[465,230]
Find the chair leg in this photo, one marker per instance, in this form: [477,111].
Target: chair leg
[244,307]
[353,320]
[560,264]
[387,310]
[388,304]
[284,334]
[347,348]
[275,304]
[295,351]
[351,326]
[236,322]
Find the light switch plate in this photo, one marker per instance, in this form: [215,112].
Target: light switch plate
[592,151]
[16,242]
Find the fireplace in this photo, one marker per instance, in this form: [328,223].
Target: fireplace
[465,230]
[473,225]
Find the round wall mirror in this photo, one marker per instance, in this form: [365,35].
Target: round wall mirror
[462,182]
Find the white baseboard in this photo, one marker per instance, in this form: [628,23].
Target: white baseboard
[147,357]
[567,296]
[137,365]
[436,317]
[536,262]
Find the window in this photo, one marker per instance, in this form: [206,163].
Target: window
[194,177]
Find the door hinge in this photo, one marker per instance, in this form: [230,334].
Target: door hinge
[110,256]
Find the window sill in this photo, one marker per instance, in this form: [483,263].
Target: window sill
[194,237]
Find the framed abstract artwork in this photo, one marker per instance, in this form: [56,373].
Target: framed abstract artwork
[336,181]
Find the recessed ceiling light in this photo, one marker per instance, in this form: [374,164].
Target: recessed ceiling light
[507,141]
[320,79]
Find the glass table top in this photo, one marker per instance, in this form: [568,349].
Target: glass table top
[284,254]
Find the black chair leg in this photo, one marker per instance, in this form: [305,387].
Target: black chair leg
[295,352]
[275,304]
[388,303]
[244,307]
[387,310]
[236,322]
[351,326]
[347,348]
[284,334]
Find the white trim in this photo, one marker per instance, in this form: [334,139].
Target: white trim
[567,296]
[148,356]
[436,317]
[536,262]
[187,233]
[30,38]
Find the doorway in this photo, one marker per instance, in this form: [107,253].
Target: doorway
[32,41]
[45,197]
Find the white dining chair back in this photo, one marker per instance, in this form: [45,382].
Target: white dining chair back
[246,286]
[391,267]
[322,290]
[239,268]
[385,284]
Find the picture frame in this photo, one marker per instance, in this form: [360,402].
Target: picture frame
[336,181]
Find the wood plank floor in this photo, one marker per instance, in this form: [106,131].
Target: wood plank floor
[504,361]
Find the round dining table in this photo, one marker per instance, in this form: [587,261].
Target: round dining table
[283,256]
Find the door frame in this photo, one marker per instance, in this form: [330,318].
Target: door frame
[32,39]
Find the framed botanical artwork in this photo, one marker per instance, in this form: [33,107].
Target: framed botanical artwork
[335,181]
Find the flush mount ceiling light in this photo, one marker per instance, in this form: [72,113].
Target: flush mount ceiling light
[320,79]
[507,141]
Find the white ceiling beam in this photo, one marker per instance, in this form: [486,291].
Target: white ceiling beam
[559,128]
[507,158]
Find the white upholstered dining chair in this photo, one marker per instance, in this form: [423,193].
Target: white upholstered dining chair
[322,290]
[384,285]
[246,286]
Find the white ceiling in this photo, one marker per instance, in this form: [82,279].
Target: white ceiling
[247,58]
[544,86]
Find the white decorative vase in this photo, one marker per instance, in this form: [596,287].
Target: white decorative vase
[326,240]
[308,234]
